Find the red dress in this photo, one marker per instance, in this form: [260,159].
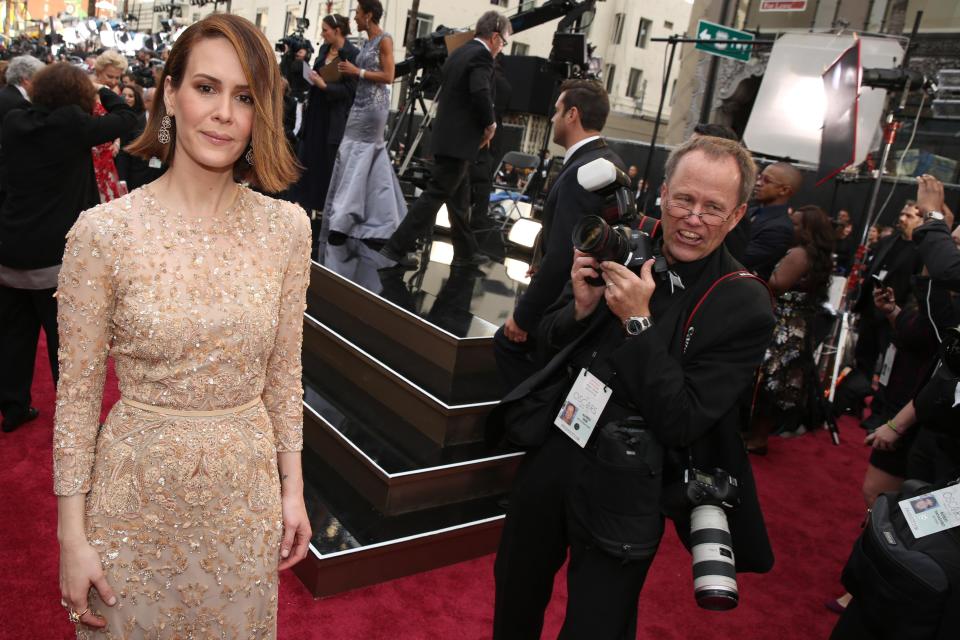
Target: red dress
[104,168]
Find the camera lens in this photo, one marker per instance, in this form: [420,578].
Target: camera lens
[714,569]
[596,238]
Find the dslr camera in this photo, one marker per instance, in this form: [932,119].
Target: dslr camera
[714,566]
[619,234]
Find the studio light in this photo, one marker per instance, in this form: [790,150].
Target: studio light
[517,270]
[441,252]
[443,218]
[524,232]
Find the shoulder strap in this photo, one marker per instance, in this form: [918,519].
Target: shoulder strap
[733,275]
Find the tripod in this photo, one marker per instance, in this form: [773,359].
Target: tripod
[407,116]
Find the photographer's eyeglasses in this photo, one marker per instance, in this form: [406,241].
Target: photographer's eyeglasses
[712,217]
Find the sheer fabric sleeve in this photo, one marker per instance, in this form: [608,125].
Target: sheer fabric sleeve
[283,390]
[85,303]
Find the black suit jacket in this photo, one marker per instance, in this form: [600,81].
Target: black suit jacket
[52,181]
[938,253]
[10,99]
[466,102]
[901,261]
[771,235]
[688,395]
[566,204]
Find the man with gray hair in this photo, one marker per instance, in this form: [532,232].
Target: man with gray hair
[655,360]
[16,95]
[465,124]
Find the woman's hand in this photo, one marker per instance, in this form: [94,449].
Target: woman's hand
[79,569]
[882,438]
[296,531]
[317,80]
[348,68]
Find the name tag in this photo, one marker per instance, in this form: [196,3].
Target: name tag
[932,512]
[582,407]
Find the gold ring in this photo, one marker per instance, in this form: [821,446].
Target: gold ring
[75,617]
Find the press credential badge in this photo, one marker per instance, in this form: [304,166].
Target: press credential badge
[932,512]
[582,407]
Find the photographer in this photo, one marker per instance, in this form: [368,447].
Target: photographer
[663,352]
[579,116]
[933,240]
[297,51]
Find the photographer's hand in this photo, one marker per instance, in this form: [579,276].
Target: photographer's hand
[488,134]
[513,331]
[586,297]
[929,194]
[627,294]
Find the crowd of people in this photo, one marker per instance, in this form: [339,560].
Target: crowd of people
[135,223]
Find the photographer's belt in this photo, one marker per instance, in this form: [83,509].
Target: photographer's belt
[580,411]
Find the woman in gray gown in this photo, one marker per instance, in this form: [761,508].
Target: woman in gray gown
[364,200]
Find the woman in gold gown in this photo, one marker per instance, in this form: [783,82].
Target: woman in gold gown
[176,515]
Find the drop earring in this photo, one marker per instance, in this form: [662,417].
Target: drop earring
[249,156]
[163,135]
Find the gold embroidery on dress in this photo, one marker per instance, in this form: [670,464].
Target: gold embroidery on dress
[198,315]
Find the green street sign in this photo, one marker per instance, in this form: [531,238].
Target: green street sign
[724,41]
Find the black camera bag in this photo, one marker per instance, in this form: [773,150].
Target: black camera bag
[906,588]
[617,499]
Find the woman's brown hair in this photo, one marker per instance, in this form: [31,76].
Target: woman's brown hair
[60,85]
[274,168]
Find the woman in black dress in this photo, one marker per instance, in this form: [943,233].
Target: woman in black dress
[324,119]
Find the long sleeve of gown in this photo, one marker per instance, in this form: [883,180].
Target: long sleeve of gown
[283,390]
[85,297]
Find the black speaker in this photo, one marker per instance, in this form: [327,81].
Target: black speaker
[534,82]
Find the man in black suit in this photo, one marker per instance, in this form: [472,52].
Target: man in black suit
[682,378]
[579,116]
[16,95]
[771,230]
[465,124]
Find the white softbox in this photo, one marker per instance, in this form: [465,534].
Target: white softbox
[787,116]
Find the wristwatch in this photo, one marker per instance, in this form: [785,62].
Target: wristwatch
[635,325]
[933,215]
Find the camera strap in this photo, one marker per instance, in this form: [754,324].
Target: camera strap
[689,329]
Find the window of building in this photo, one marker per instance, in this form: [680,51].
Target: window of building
[519,49]
[424,25]
[261,20]
[618,27]
[643,33]
[667,24]
[673,92]
[527,5]
[608,72]
[635,83]
[500,3]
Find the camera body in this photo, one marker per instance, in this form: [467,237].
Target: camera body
[718,488]
[619,233]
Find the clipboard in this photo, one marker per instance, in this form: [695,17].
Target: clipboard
[329,72]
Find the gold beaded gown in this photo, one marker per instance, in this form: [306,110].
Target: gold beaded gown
[204,321]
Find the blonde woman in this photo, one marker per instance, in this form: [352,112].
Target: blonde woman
[107,71]
[176,515]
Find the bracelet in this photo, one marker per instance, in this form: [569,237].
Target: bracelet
[894,427]
[362,73]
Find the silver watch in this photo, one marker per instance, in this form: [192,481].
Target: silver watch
[635,325]
[933,215]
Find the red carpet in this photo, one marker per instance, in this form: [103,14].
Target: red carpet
[810,492]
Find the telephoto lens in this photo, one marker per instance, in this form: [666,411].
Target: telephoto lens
[714,569]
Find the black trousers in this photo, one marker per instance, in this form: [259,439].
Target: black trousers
[449,183]
[516,361]
[22,313]
[602,590]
